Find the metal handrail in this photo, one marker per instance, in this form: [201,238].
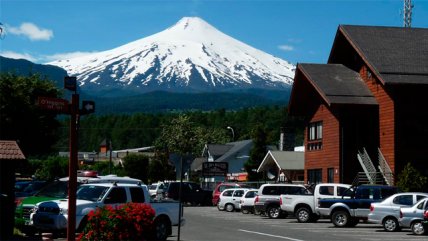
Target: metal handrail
[385,169]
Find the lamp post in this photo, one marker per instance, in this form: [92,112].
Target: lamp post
[233,132]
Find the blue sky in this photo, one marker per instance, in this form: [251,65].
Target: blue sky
[294,30]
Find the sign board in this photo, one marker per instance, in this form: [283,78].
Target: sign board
[211,169]
[70,83]
[88,107]
[53,104]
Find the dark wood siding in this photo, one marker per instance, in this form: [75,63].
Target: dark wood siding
[328,155]
[386,116]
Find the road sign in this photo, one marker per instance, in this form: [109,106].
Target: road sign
[210,169]
[88,107]
[53,104]
[70,83]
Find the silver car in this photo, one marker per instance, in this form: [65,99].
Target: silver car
[413,216]
[230,199]
[387,212]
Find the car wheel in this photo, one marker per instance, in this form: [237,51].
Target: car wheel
[274,212]
[303,215]
[390,224]
[417,228]
[229,207]
[162,227]
[82,224]
[219,208]
[245,211]
[340,218]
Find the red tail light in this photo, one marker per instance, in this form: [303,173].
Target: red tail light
[371,208]
[256,199]
[426,214]
[401,214]
[280,200]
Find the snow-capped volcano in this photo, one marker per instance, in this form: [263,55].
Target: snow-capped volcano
[191,55]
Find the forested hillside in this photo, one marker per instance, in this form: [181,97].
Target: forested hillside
[141,129]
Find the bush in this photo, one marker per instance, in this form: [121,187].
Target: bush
[411,180]
[131,221]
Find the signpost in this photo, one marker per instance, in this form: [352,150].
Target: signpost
[211,169]
[62,106]
[54,104]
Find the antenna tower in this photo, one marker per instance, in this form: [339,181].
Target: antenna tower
[407,12]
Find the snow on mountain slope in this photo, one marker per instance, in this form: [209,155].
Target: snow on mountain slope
[191,55]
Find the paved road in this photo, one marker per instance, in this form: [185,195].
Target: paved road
[209,224]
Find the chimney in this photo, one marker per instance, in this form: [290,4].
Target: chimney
[286,139]
[281,139]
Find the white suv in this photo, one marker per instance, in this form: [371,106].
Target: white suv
[268,198]
[247,201]
[230,199]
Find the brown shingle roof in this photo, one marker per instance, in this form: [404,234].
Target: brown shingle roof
[399,55]
[338,84]
[9,150]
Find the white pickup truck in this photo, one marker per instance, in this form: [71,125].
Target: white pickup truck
[52,215]
[304,206]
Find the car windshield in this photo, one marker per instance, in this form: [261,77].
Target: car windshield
[152,187]
[91,193]
[57,189]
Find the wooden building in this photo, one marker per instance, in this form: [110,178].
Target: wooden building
[366,103]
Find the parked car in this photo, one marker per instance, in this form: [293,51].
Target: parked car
[303,206]
[53,191]
[52,215]
[387,212]
[267,200]
[247,201]
[31,188]
[222,186]
[346,212]
[192,193]
[412,217]
[230,199]
[425,222]
[157,189]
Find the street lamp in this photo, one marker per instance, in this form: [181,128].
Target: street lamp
[233,133]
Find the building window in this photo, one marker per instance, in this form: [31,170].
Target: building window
[315,176]
[330,175]
[315,136]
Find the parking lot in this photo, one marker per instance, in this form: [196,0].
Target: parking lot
[207,223]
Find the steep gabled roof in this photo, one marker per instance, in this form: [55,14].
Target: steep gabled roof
[337,84]
[285,160]
[9,150]
[331,83]
[396,55]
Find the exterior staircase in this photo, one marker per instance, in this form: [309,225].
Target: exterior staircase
[370,174]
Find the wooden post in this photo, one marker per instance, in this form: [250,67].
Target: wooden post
[72,170]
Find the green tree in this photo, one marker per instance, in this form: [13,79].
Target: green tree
[160,169]
[50,168]
[181,137]
[411,180]
[257,154]
[136,166]
[21,119]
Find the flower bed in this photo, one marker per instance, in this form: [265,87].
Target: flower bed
[131,221]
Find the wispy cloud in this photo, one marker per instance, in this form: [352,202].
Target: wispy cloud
[63,56]
[286,47]
[14,55]
[31,31]
[43,58]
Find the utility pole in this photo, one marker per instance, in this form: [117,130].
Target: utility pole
[407,13]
